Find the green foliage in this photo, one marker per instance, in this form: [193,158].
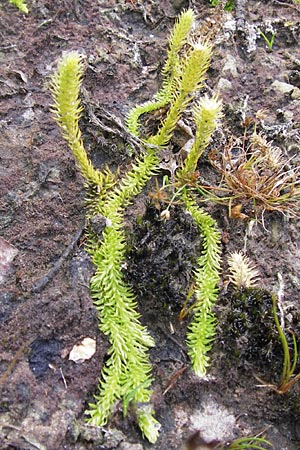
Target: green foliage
[229,5]
[128,368]
[248,443]
[20,4]
[177,39]
[170,72]
[183,75]
[201,331]
[187,72]
[67,110]
[202,328]
[126,375]
[189,80]
[206,114]
[268,41]
[288,377]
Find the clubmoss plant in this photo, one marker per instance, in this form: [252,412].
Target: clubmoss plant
[128,368]
[201,331]
[20,4]
[243,273]
[183,75]
[187,73]
[170,73]
[202,328]
[126,375]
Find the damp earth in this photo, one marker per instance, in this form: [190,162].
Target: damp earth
[45,303]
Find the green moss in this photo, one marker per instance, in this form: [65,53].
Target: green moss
[249,331]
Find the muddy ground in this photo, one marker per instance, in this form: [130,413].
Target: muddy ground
[43,394]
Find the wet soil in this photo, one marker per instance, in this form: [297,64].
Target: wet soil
[44,394]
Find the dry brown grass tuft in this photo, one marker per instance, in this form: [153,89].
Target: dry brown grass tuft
[255,178]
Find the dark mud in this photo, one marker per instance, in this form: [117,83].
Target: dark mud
[43,394]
